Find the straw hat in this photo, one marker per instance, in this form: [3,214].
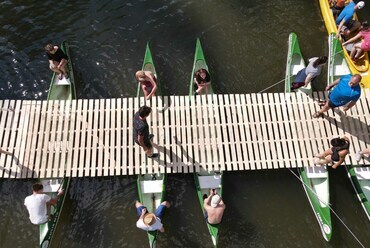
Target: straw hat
[149,219]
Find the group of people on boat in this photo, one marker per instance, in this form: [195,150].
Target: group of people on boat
[355,35]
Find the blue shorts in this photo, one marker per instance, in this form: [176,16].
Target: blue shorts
[158,212]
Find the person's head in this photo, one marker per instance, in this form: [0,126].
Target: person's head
[202,73]
[144,111]
[320,60]
[140,76]
[364,25]
[37,187]
[339,142]
[355,80]
[49,48]
[360,5]
[215,200]
[149,219]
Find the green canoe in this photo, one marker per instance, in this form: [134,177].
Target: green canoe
[359,176]
[51,187]
[151,190]
[199,63]
[63,89]
[205,180]
[148,65]
[315,180]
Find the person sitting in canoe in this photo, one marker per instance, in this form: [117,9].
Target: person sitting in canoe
[202,79]
[308,74]
[57,60]
[335,155]
[38,203]
[345,18]
[337,6]
[148,83]
[214,207]
[150,221]
[363,45]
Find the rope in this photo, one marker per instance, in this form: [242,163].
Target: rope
[273,85]
[349,230]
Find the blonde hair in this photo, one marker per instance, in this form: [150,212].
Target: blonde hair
[140,75]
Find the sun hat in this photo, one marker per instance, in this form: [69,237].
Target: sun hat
[360,4]
[149,219]
[215,200]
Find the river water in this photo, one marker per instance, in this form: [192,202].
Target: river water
[245,44]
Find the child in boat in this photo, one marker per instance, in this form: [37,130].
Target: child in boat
[57,60]
[335,155]
[308,74]
[202,79]
[364,45]
[148,83]
[38,203]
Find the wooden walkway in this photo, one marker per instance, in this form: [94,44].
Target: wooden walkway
[221,132]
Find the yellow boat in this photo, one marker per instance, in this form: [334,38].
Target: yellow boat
[362,65]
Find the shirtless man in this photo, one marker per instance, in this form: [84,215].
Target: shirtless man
[214,207]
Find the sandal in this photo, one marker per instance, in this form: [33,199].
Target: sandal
[60,77]
[317,115]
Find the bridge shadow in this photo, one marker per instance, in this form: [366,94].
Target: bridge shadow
[21,170]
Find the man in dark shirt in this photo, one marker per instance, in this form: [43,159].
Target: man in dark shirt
[141,131]
[57,60]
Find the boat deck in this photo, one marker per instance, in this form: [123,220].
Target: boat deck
[94,137]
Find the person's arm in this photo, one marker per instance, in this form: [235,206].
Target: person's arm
[308,79]
[143,212]
[154,84]
[54,201]
[349,105]
[340,26]
[327,88]
[341,160]
[162,229]
[62,63]
[356,37]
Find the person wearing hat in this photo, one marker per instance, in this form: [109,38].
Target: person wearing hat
[150,221]
[214,207]
[345,18]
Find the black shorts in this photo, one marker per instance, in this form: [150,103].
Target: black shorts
[331,104]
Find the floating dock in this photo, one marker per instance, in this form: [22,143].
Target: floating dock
[94,137]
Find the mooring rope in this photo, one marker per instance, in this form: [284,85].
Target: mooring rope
[349,230]
[282,80]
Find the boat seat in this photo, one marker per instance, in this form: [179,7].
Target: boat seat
[362,173]
[209,182]
[340,70]
[296,69]
[154,186]
[317,172]
[64,81]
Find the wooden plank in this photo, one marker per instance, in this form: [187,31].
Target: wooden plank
[277,133]
[65,138]
[176,123]
[212,109]
[10,136]
[77,149]
[58,164]
[251,134]
[131,149]
[165,140]
[112,160]
[95,137]
[82,136]
[46,134]
[126,137]
[101,134]
[72,136]
[153,164]
[87,144]
[225,143]
[118,144]
[265,136]
[218,132]
[106,137]
[248,153]
[236,133]
[184,133]
[206,132]
[195,139]
[258,132]
[6,116]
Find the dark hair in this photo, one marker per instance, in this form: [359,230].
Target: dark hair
[338,142]
[365,25]
[144,111]
[320,60]
[49,47]
[37,186]
[199,78]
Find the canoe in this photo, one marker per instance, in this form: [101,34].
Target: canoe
[315,180]
[294,64]
[362,65]
[359,176]
[148,65]
[51,187]
[205,180]
[63,89]
[151,190]
[199,63]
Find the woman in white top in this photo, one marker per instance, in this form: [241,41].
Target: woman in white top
[308,74]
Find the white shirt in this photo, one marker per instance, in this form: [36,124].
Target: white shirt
[156,226]
[36,206]
[312,70]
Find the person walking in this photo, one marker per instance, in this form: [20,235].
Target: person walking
[346,93]
[141,131]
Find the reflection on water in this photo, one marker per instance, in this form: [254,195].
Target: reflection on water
[245,44]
